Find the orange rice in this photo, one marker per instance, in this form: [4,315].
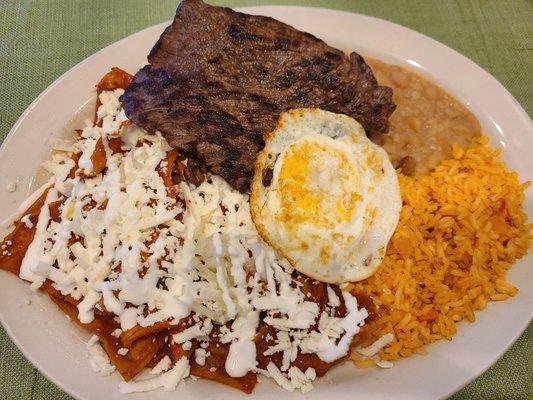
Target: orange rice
[461,228]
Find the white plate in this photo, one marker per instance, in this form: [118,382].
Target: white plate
[56,346]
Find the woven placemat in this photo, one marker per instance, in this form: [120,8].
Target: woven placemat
[39,40]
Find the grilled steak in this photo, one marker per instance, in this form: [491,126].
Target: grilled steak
[218,80]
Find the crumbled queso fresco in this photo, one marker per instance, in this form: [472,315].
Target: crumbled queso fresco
[207,253]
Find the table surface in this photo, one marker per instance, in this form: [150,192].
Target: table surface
[39,40]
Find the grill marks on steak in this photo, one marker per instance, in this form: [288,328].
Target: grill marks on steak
[218,80]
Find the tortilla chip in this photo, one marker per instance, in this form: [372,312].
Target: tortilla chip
[140,352]
[214,367]
[139,332]
[15,245]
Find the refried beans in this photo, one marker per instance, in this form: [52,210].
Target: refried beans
[426,122]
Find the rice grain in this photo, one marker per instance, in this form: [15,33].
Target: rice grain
[461,228]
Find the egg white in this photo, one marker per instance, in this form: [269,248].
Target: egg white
[346,246]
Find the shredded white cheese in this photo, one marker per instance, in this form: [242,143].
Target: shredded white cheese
[375,347]
[149,257]
[168,380]
[163,365]
[98,358]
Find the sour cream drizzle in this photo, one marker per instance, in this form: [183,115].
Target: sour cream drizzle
[211,259]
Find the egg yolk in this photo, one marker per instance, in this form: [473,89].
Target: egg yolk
[317,185]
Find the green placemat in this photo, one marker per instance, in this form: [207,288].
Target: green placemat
[39,40]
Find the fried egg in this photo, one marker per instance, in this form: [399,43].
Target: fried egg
[325,196]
